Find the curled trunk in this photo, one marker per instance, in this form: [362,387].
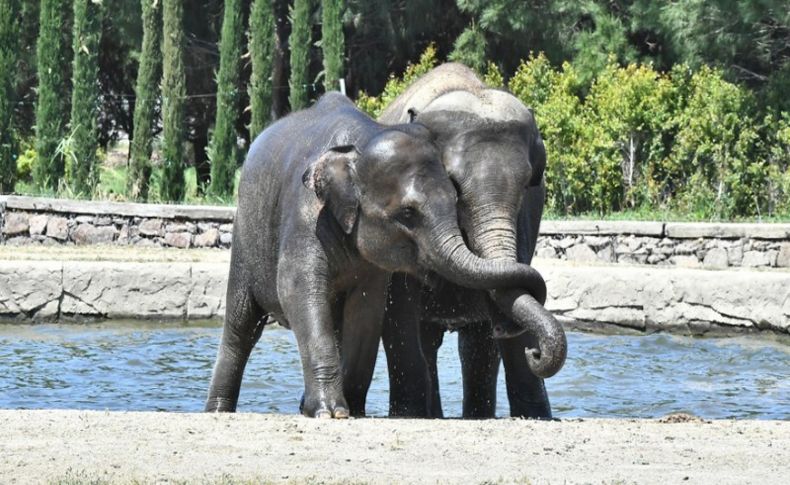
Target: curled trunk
[495,239]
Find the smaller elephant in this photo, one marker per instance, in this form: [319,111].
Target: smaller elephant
[330,204]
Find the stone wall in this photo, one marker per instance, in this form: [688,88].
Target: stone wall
[30,220]
[688,245]
[644,298]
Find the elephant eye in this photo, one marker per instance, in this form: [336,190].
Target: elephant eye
[407,216]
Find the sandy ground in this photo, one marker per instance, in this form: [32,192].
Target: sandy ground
[103,447]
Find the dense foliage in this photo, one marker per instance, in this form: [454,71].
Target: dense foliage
[81,161]
[54,59]
[332,42]
[299,41]
[646,105]
[146,100]
[9,10]
[224,150]
[261,47]
[173,92]
[687,141]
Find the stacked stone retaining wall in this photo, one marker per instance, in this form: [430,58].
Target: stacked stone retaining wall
[32,220]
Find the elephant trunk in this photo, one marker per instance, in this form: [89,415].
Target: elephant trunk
[449,256]
[494,237]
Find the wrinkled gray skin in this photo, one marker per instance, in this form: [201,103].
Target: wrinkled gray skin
[330,204]
[494,154]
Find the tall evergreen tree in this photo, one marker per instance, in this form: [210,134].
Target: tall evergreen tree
[299,43]
[146,92]
[173,94]
[81,168]
[224,149]
[52,108]
[332,42]
[9,9]
[261,54]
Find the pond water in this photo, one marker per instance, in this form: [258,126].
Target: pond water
[166,367]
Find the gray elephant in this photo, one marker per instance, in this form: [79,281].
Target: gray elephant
[494,154]
[330,204]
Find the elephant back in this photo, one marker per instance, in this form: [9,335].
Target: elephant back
[433,84]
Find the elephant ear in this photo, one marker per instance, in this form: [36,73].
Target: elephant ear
[330,178]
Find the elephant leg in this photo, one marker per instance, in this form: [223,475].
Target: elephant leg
[244,321]
[305,302]
[431,337]
[479,366]
[410,380]
[363,315]
[525,391]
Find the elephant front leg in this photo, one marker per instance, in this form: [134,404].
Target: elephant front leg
[363,315]
[305,302]
[480,366]
[411,388]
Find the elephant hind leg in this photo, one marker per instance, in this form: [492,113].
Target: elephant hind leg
[526,391]
[244,321]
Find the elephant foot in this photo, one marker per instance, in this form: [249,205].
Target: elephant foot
[324,405]
[220,405]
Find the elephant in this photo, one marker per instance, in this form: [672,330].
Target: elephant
[330,204]
[494,154]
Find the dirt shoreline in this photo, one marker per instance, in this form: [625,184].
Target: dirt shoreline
[103,447]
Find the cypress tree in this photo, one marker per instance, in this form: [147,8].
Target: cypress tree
[9,9]
[146,92]
[262,55]
[52,57]
[173,93]
[332,43]
[81,170]
[299,43]
[224,150]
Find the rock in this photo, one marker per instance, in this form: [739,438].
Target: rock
[126,290]
[88,234]
[546,252]
[783,258]
[176,227]
[581,252]
[207,239]
[735,254]
[226,227]
[38,224]
[178,239]
[755,259]
[226,238]
[606,253]
[566,242]
[656,258]
[15,223]
[31,288]
[84,219]
[58,228]
[205,226]
[102,221]
[151,227]
[715,258]
[596,242]
[684,261]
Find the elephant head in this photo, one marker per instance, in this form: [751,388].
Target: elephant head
[494,153]
[393,198]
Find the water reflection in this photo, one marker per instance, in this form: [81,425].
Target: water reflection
[150,366]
